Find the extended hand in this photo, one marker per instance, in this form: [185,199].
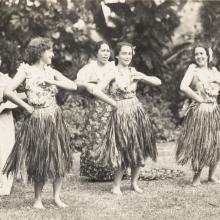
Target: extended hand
[200,100]
[115,105]
[30,109]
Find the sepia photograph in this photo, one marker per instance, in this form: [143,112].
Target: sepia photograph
[109,109]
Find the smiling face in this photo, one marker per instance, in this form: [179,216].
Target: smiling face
[103,54]
[201,57]
[47,56]
[125,55]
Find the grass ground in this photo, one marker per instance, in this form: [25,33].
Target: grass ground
[162,199]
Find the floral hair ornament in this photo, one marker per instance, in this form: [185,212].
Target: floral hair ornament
[134,48]
[210,54]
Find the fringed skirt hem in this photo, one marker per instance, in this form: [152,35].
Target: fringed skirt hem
[200,136]
[129,139]
[42,146]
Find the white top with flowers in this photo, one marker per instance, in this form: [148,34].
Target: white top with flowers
[39,93]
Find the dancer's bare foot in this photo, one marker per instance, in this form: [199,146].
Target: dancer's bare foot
[24,177]
[38,204]
[136,188]
[196,182]
[116,191]
[59,203]
[196,179]
[213,180]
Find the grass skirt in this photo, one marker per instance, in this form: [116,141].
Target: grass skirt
[129,138]
[199,139]
[43,144]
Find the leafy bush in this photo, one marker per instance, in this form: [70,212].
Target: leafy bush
[210,15]
[146,24]
[149,27]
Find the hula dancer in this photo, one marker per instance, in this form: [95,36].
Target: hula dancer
[129,139]
[44,141]
[198,142]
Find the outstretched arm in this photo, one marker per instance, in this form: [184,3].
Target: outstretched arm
[65,83]
[83,79]
[94,90]
[62,81]
[185,85]
[138,76]
[22,95]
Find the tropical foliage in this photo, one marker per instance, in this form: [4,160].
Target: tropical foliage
[210,15]
[150,25]
[74,26]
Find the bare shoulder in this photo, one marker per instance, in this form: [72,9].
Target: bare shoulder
[192,70]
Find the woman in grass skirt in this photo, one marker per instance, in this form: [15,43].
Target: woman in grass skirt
[44,141]
[129,139]
[97,113]
[199,138]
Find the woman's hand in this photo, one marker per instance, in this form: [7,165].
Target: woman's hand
[30,109]
[115,105]
[200,99]
[138,76]
[63,83]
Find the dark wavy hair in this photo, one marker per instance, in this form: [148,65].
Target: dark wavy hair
[99,44]
[118,49]
[206,47]
[35,49]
